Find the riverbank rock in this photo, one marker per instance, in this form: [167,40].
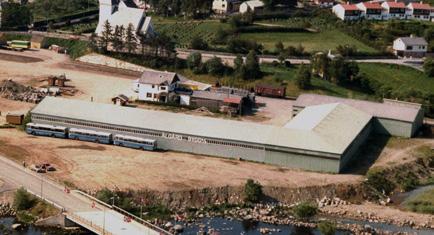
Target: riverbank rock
[16,226]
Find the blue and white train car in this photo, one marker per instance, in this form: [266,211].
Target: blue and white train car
[46,130]
[134,142]
[90,135]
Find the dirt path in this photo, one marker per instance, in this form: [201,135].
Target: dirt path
[92,166]
[401,151]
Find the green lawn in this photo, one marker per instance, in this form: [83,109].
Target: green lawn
[422,203]
[278,76]
[399,78]
[321,41]
[183,31]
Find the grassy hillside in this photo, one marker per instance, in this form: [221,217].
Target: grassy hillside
[422,203]
[400,78]
[321,41]
[279,75]
[183,31]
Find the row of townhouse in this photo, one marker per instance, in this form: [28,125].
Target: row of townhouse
[384,11]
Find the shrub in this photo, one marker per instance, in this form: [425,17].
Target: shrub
[194,61]
[428,67]
[75,48]
[305,210]
[327,228]
[23,200]
[215,66]
[377,179]
[198,43]
[252,191]
[303,79]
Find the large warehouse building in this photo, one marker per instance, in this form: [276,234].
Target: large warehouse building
[314,140]
[391,117]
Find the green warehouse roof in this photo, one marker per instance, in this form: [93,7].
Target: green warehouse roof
[323,128]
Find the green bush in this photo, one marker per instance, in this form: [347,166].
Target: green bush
[75,48]
[327,228]
[25,217]
[305,210]
[377,179]
[252,191]
[23,200]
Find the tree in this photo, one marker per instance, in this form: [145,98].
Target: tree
[279,47]
[346,50]
[198,43]
[305,210]
[253,70]
[239,67]
[118,38]
[327,228]
[15,15]
[320,65]
[194,62]
[106,36]
[93,42]
[428,67]
[215,66]
[252,191]
[23,200]
[303,79]
[130,38]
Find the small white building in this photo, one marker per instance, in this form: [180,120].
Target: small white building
[223,7]
[410,47]
[394,10]
[419,11]
[324,3]
[346,11]
[254,6]
[123,13]
[155,86]
[370,10]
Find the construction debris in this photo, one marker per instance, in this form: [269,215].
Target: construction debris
[15,91]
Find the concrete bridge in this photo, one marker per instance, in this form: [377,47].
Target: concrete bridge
[77,206]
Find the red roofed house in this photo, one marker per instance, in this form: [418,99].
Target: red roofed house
[346,11]
[370,10]
[419,11]
[393,10]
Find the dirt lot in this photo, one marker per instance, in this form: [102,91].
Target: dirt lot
[91,166]
[102,83]
[12,106]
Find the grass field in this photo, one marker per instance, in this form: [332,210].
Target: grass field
[183,31]
[321,41]
[422,203]
[399,78]
[277,76]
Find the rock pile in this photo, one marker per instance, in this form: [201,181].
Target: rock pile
[15,91]
[6,210]
[325,201]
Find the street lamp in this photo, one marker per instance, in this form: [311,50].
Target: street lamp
[113,199]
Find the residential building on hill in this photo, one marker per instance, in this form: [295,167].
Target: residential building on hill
[252,6]
[225,6]
[410,46]
[394,10]
[419,11]
[370,10]
[155,86]
[347,11]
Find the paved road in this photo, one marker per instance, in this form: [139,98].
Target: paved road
[94,216]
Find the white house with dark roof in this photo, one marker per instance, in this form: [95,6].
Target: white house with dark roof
[225,6]
[370,10]
[252,6]
[155,86]
[410,46]
[347,11]
[123,13]
[394,10]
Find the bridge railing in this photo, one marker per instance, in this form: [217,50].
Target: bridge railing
[87,224]
[126,213]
